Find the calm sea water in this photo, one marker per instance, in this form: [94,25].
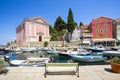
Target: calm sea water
[55,58]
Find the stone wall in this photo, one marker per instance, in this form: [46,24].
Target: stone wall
[39,44]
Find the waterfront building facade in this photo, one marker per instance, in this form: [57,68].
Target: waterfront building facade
[77,33]
[118,29]
[103,30]
[33,30]
[86,35]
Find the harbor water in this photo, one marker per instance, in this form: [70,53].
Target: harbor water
[54,58]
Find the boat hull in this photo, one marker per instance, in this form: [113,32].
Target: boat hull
[64,54]
[111,54]
[87,58]
[96,50]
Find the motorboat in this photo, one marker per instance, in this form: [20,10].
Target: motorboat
[69,52]
[29,49]
[72,51]
[111,54]
[53,52]
[97,49]
[87,57]
[2,49]
[116,48]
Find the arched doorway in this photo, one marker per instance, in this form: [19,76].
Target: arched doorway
[40,38]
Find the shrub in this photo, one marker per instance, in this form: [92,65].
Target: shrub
[115,60]
[3,65]
[45,44]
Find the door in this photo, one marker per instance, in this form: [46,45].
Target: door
[40,38]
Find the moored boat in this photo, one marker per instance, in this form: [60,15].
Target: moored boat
[16,62]
[29,49]
[111,54]
[97,49]
[53,52]
[87,57]
[30,62]
[71,51]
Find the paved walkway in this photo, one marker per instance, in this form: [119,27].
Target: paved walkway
[98,72]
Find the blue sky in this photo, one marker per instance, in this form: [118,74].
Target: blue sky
[12,12]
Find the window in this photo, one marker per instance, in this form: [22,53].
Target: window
[101,31]
[106,36]
[105,24]
[97,36]
[96,31]
[104,19]
[105,30]
[97,25]
[97,20]
[32,22]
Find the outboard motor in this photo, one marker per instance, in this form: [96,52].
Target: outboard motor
[7,58]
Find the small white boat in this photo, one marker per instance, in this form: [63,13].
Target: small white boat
[69,52]
[72,51]
[116,48]
[111,54]
[16,62]
[34,59]
[30,62]
[29,49]
[53,52]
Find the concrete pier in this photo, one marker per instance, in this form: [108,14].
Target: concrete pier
[93,72]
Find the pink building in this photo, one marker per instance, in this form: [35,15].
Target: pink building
[33,30]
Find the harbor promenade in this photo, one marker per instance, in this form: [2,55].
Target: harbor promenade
[92,72]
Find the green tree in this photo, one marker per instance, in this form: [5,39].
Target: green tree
[70,23]
[51,29]
[81,24]
[45,44]
[54,35]
[59,24]
[76,24]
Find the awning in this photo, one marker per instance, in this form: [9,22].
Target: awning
[104,40]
